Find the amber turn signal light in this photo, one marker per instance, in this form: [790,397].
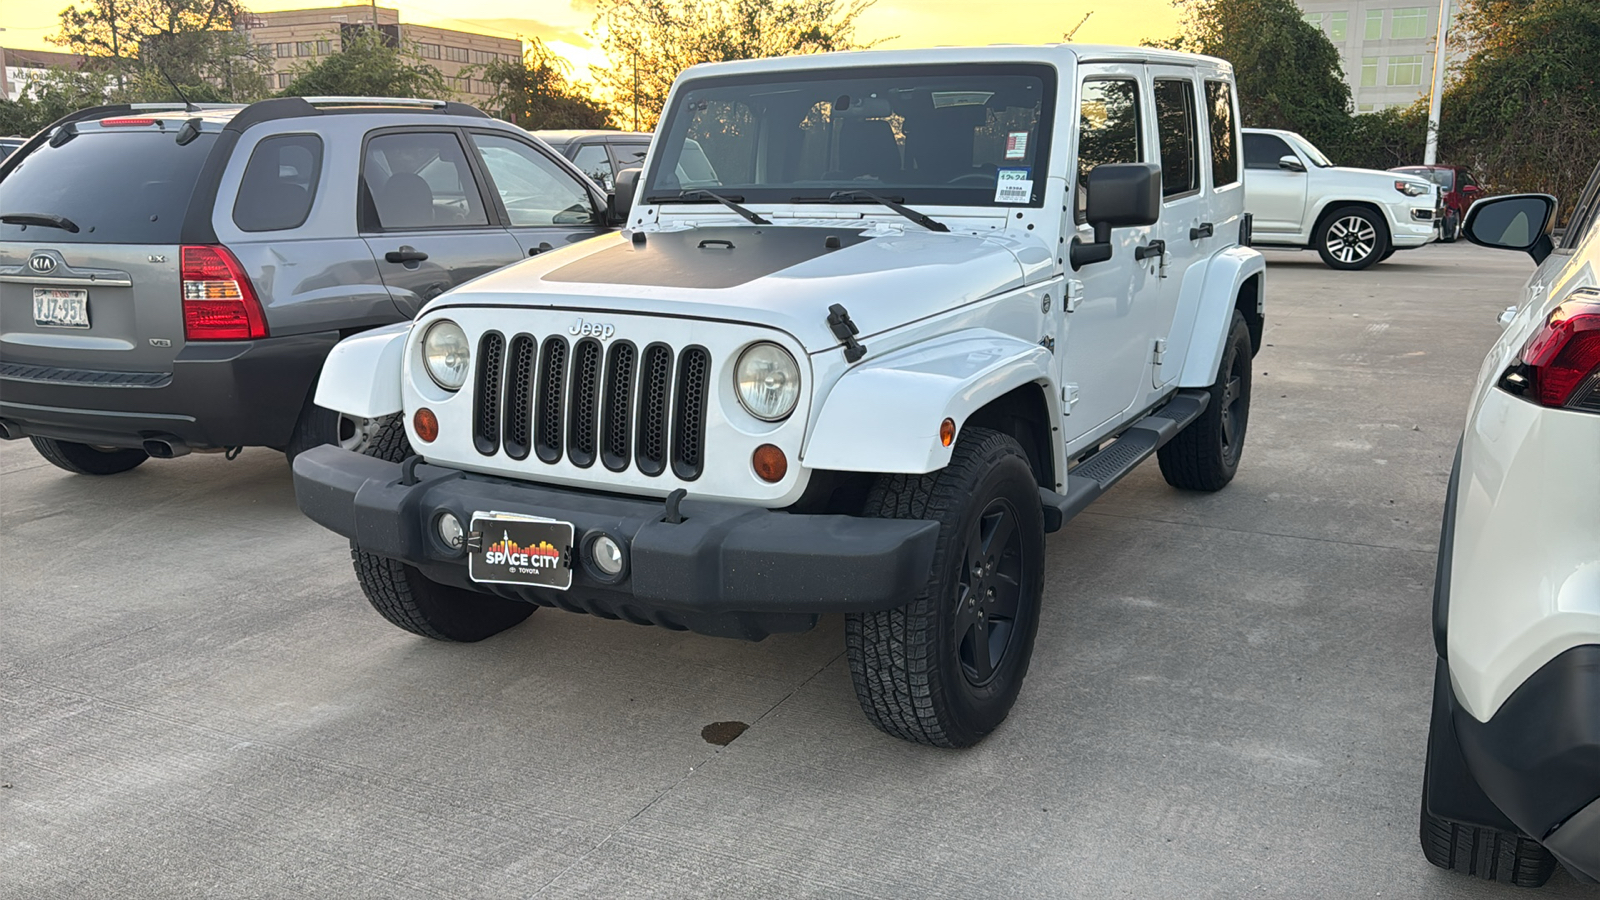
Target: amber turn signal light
[770,463]
[425,424]
[947,432]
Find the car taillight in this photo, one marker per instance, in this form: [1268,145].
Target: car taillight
[1560,365]
[218,302]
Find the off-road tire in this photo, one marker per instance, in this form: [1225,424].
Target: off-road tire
[910,664]
[1366,251]
[409,599]
[1205,455]
[82,459]
[318,425]
[1487,853]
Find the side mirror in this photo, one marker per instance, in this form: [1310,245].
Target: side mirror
[621,197]
[1513,222]
[1471,189]
[1291,163]
[1120,195]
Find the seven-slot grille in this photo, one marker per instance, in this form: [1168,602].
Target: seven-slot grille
[586,402]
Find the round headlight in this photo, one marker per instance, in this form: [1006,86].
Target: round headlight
[446,354]
[767,382]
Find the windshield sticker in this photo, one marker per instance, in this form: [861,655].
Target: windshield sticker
[1017,145]
[1013,185]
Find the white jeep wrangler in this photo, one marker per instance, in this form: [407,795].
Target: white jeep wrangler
[877,323]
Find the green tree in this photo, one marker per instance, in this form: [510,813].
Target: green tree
[648,42]
[1288,72]
[366,65]
[534,92]
[149,44]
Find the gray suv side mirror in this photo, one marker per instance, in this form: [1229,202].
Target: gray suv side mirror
[1513,222]
[622,194]
[1292,163]
[1120,195]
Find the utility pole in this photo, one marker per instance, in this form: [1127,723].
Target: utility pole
[116,52]
[1430,155]
[636,89]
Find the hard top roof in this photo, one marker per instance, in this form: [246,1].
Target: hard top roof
[1053,54]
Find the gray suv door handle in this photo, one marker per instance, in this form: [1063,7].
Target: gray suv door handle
[408,255]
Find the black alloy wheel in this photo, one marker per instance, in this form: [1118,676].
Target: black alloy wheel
[988,593]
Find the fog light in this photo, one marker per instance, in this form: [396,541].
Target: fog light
[425,424]
[606,555]
[450,530]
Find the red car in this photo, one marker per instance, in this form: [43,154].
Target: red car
[1460,189]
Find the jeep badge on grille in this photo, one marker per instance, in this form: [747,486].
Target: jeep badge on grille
[601,330]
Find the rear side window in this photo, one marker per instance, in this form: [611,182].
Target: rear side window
[118,186]
[1224,147]
[421,180]
[595,163]
[629,155]
[279,183]
[1180,145]
[1262,151]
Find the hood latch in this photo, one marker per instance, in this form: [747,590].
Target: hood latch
[845,330]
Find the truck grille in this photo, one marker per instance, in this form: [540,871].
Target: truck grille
[586,402]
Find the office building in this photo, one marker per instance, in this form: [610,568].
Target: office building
[298,37]
[1385,46]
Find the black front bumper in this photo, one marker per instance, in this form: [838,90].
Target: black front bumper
[725,569]
[1534,767]
[219,394]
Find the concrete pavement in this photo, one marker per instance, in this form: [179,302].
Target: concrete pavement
[1228,698]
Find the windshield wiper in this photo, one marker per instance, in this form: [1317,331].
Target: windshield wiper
[701,195]
[45,219]
[891,202]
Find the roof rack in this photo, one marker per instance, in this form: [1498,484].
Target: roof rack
[180,105]
[374,101]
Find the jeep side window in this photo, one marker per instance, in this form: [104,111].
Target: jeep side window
[1180,148]
[1224,137]
[1262,151]
[1108,130]
[421,180]
[279,183]
[535,190]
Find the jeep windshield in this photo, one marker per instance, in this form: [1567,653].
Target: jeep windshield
[957,135]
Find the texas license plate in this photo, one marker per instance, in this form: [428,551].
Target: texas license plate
[525,550]
[60,308]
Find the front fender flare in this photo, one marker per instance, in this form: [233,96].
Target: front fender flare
[1228,272]
[361,376]
[884,415]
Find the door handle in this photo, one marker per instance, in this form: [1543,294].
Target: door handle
[1154,248]
[543,246]
[1203,231]
[406,254]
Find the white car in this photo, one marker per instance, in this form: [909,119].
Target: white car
[1513,773]
[877,323]
[1353,218]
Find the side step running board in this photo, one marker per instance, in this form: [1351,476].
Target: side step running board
[1099,472]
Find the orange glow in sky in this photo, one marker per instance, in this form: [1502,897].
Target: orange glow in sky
[564,24]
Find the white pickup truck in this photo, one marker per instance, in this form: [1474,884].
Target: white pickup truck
[876,324]
[1353,218]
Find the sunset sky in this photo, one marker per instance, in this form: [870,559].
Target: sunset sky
[564,24]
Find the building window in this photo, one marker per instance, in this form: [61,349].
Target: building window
[283,79]
[1405,70]
[1374,25]
[1338,26]
[1369,71]
[1366,107]
[428,51]
[484,56]
[1410,22]
[455,54]
[1314,20]
[305,48]
[285,51]
[324,48]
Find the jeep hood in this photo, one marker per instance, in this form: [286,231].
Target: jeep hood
[783,276]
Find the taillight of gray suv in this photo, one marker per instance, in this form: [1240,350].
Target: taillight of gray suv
[171,279]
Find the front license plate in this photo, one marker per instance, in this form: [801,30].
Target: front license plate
[524,550]
[59,308]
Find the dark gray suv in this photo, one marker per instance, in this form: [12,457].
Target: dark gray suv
[171,279]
